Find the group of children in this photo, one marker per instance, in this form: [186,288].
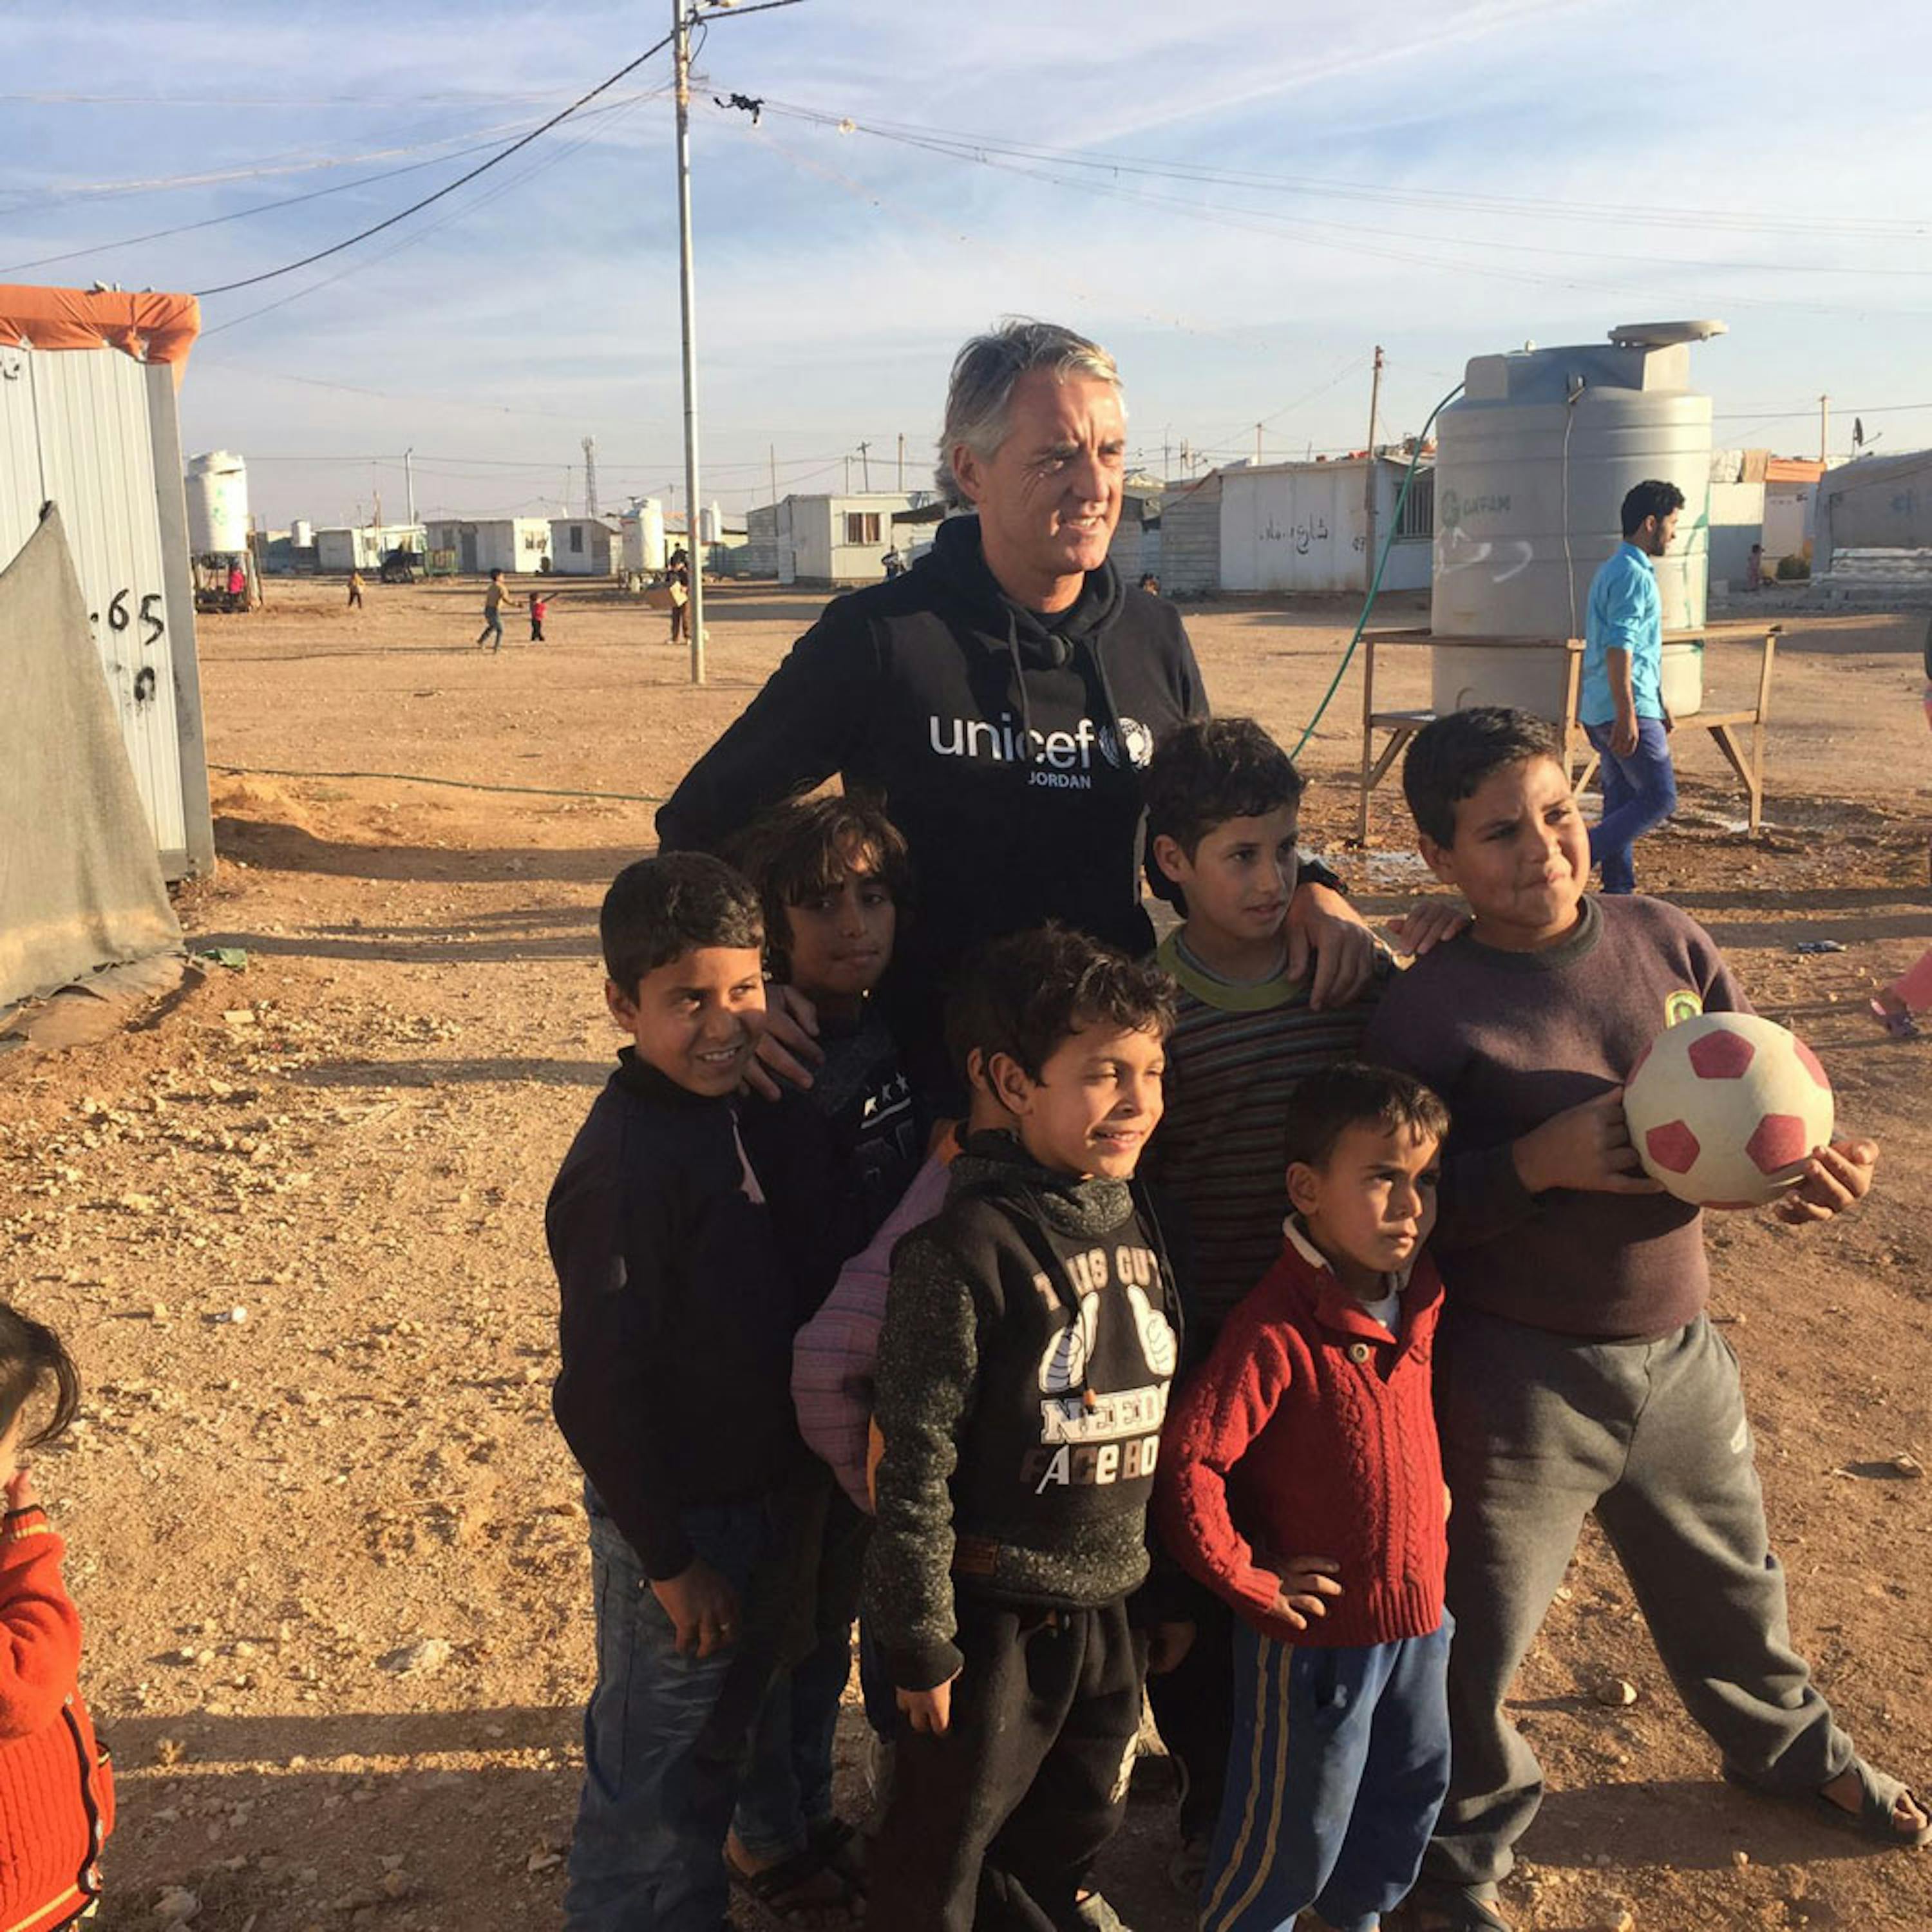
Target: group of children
[1121,1374]
[827,1354]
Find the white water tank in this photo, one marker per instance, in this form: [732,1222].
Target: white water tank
[1532,465]
[301,534]
[218,504]
[644,535]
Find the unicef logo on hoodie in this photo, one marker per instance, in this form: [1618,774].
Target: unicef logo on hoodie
[1132,744]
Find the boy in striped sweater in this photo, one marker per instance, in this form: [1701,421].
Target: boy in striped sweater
[1224,805]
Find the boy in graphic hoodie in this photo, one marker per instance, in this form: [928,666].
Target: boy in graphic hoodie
[1029,1335]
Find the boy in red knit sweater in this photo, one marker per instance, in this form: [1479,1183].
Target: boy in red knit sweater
[1309,1429]
[56,1795]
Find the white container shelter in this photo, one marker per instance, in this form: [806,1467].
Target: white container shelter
[584,546]
[1306,527]
[88,425]
[833,542]
[513,545]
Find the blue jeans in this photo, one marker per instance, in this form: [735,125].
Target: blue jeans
[492,626]
[786,1797]
[665,1737]
[1339,1761]
[1639,793]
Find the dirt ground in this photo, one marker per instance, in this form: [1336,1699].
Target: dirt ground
[322,1532]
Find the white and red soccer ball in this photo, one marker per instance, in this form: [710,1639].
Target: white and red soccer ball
[1724,1108]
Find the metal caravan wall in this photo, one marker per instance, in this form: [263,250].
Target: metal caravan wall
[97,432]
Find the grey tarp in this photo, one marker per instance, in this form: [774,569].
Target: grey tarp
[80,887]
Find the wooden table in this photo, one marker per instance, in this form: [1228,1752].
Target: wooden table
[1579,756]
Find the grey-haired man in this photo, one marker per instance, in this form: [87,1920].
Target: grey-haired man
[999,699]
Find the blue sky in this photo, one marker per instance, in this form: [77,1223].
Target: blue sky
[1295,183]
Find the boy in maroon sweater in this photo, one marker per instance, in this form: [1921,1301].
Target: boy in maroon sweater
[1309,1428]
[1577,1372]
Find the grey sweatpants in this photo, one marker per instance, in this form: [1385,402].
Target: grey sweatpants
[1538,1430]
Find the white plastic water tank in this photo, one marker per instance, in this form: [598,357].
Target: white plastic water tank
[301,534]
[644,535]
[218,504]
[1533,463]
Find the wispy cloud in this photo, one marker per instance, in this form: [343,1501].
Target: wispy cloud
[835,273]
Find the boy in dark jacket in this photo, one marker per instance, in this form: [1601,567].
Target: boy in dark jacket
[1028,1341]
[676,1331]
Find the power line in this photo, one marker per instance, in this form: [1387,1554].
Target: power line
[961,145]
[543,128]
[243,214]
[299,162]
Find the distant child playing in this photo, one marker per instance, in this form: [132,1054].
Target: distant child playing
[1029,1336]
[678,1308]
[1310,1430]
[539,605]
[1577,1370]
[56,1791]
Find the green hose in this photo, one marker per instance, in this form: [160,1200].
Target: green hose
[1375,582]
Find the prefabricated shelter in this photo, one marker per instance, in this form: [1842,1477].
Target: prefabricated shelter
[584,546]
[1317,526]
[1791,485]
[830,543]
[1876,502]
[761,541]
[1190,537]
[482,544]
[363,546]
[88,423]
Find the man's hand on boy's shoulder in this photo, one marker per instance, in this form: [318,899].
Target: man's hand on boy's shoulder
[928,1710]
[1321,923]
[703,1608]
[1838,1177]
[1587,1148]
[788,1048]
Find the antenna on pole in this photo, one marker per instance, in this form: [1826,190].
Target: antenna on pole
[590,477]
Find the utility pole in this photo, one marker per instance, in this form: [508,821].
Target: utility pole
[1368,486]
[681,71]
[1824,429]
[866,468]
[1166,451]
[902,463]
[1258,445]
[410,483]
[848,475]
[590,477]
[771,453]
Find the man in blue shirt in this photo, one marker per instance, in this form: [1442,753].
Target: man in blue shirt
[1622,704]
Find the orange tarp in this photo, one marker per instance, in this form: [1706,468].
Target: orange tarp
[149,326]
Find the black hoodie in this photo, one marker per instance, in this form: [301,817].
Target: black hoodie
[1007,745]
[1029,1335]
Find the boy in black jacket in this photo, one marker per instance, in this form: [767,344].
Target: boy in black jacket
[675,1332]
[1023,1370]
